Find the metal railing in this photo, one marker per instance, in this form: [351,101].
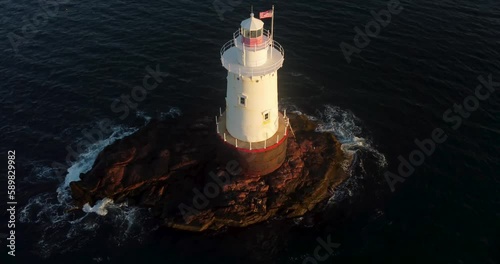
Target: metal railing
[237,41]
[261,145]
[252,71]
[266,36]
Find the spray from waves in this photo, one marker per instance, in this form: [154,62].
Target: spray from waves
[62,232]
[143,115]
[172,113]
[85,161]
[367,160]
[99,207]
[346,127]
[39,173]
[63,229]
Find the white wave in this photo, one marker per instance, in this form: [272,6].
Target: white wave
[143,115]
[310,117]
[41,208]
[304,221]
[172,113]
[40,173]
[344,190]
[347,129]
[85,161]
[99,207]
[130,223]
[66,235]
[343,124]
[298,220]
[60,231]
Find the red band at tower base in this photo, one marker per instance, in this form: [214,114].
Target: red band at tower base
[254,163]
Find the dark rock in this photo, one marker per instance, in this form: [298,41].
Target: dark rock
[173,167]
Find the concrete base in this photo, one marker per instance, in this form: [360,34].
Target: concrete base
[256,158]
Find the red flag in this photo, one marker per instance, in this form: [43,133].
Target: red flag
[266,14]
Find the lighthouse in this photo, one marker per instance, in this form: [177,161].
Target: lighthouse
[252,126]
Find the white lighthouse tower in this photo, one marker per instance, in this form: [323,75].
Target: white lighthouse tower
[251,122]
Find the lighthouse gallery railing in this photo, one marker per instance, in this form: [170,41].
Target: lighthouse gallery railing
[252,71]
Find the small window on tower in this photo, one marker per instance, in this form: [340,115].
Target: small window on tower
[253,33]
[246,33]
[243,100]
[266,115]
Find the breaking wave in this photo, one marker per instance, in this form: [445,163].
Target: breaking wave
[367,161]
[347,128]
[143,115]
[172,113]
[99,207]
[64,228]
[85,161]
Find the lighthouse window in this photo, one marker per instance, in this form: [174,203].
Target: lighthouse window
[243,100]
[266,115]
[246,33]
[253,34]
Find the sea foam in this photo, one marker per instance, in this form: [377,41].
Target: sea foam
[99,207]
[354,141]
[61,231]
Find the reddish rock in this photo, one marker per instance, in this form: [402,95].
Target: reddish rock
[173,167]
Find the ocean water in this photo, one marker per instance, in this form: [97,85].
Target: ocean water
[64,64]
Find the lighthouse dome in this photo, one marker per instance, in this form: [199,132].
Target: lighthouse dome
[252,23]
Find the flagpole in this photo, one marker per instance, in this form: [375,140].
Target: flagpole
[272,32]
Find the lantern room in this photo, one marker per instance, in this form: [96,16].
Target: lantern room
[252,31]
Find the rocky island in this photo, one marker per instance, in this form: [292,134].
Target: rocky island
[176,168]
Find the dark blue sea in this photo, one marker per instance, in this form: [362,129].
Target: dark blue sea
[431,72]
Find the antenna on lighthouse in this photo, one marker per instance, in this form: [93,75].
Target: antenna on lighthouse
[272,32]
